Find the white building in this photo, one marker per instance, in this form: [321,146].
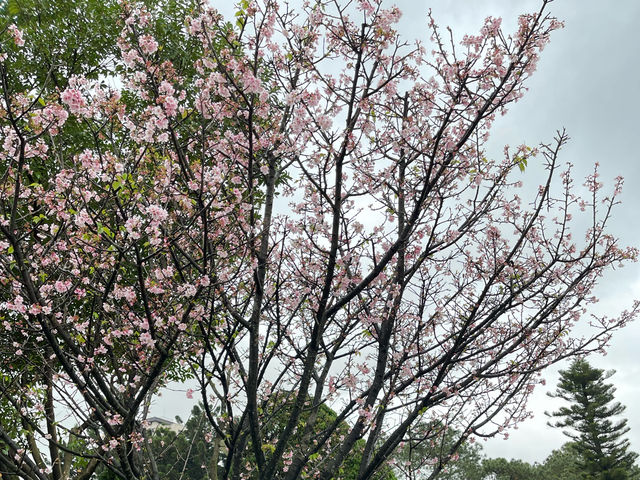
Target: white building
[156,422]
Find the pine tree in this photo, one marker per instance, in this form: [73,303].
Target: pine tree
[598,439]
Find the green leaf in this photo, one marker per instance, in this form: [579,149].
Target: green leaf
[13,7]
[521,162]
[106,230]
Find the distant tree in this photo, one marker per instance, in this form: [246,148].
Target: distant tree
[433,451]
[188,454]
[562,464]
[503,469]
[466,464]
[277,410]
[194,452]
[603,452]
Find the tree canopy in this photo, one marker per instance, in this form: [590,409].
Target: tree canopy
[296,200]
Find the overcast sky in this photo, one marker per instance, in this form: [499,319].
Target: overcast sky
[588,82]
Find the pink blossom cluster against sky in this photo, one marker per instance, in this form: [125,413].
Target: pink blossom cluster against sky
[586,81]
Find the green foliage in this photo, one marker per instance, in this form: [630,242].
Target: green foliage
[188,454]
[351,466]
[502,469]
[431,443]
[562,464]
[276,416]
[63,38]
[598,439]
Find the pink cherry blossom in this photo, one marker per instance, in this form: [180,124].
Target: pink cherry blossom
[74,99]
[146,339]
[148,44]
[16,34]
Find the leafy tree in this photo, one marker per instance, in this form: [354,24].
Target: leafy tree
[198,210]
[502,469]
[598,439]
[65,39]
[562,464]
[432,451]
[188,454]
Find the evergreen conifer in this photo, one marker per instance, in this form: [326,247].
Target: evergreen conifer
[598,438]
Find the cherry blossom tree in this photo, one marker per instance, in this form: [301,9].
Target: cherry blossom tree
[302,215]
